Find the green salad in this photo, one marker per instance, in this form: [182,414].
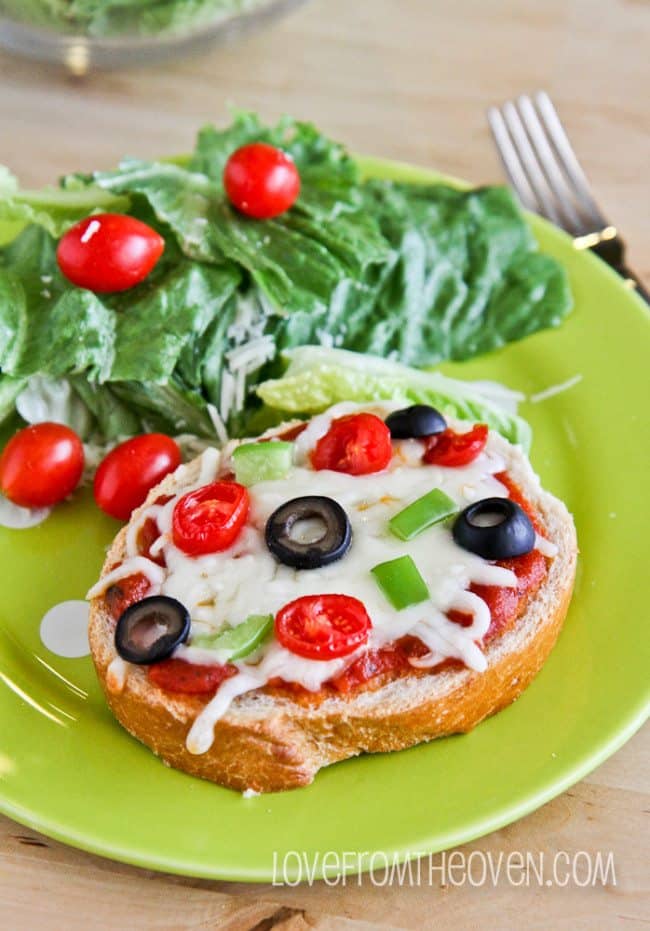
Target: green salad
[404,275]
[112,18]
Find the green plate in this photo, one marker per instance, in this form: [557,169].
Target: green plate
[69,770]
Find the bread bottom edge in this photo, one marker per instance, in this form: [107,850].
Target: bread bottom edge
[281,751]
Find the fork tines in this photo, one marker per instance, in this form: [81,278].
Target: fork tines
[542,166]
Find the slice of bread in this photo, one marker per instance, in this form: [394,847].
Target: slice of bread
[267,742]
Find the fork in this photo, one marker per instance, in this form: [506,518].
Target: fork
[545,173]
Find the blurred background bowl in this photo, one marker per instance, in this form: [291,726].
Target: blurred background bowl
[133,33]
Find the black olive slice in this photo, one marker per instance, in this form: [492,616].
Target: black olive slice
[415,421]
[494,528]
[150,630]
[308,532]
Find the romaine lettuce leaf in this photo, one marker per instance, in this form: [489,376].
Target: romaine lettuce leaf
[53,208]
[297,259]
[316,378]
[75,333]
[10,388]
[170,408]
[153,333]
[55,400]
[13,318]
[406,272]
[113,419]
[325,163]
[467,278]
[49,328]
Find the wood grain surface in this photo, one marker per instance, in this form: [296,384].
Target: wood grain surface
[404,79]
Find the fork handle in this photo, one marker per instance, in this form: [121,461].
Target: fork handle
[635,283]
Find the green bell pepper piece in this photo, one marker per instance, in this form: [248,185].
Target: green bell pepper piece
[262,462]
[401,582]
[423,513]
[238,641]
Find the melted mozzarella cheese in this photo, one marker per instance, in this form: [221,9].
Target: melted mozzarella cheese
[201,734]
[134,528]
[224,589]
[151,570]
[116,675]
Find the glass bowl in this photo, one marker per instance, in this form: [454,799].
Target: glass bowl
[126,32]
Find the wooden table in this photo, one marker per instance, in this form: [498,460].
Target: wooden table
[407,79]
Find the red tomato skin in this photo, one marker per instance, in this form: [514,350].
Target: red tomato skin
[261,181]
[456,449]
[210,519]
[357,444]
[176,675]
[322,626]
[41,465]
[114,255]
[128,473]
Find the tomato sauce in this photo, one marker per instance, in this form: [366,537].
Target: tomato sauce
[147,535]
[175,675]
[121,595]
[291,433]
[517,496]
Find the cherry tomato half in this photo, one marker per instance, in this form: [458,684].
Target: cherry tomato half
[175,675]
[322,626]
[456,449]
[261,181]
[108,252]
[211,518]
[41,465]
[128,473]
[357,444]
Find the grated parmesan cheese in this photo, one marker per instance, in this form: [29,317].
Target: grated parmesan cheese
[255,352]
[552,390]
[218,424]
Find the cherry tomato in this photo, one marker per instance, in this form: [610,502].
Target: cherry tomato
[108,252]
[211,518]
[322,626]
[357,444]
[175,675]
[121,595]
[261,181]
[456,449]
[41,465]
[128,473]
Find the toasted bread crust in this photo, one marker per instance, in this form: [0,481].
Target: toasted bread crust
[269,743]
